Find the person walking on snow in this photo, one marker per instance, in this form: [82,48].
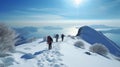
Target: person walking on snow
[57,37]
[49,42]
[62,36]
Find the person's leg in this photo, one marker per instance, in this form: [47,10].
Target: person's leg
[57,39]
[50,46]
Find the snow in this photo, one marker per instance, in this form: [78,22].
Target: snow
[63,54]
[77,58]
[92,36]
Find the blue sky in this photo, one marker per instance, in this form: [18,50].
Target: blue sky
[24,12]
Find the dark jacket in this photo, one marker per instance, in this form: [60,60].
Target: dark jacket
[49,40]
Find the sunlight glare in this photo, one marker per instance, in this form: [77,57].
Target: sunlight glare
[78,2]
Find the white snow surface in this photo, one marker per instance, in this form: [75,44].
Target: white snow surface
[63,54]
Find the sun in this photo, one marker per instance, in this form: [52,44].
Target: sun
[78,2]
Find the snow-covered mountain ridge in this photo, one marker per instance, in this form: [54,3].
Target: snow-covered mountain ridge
[92,36]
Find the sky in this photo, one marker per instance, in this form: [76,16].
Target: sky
[55,12]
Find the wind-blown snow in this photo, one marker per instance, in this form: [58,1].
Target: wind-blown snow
[63,54]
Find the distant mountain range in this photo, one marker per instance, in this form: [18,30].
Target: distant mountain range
[25,33]
[52,28]
[28,33]
[114,31]
[102,26]
[92,36]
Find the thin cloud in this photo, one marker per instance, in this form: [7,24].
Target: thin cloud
[47,17]
[43,13]
[38,11]
[35,17]
[44,9]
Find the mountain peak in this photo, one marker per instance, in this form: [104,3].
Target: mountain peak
[92,36]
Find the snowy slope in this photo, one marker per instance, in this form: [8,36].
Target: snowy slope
[76,57]
[63,54]
[92,36]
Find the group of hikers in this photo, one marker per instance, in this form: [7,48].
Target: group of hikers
[50,40]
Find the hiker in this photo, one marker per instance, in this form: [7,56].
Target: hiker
[62,36]
[49,42]
[57,37]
